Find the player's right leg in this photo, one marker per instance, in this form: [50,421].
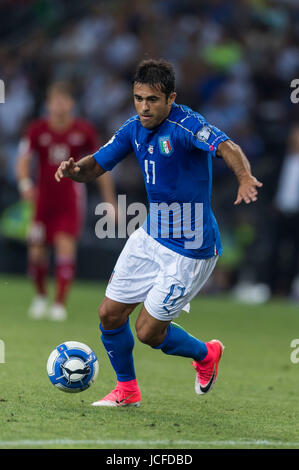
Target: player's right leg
[118,341]
[38,270]
[131,280]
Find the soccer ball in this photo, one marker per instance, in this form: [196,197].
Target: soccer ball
[72,367]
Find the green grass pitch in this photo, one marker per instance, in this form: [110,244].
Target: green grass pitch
[253,405]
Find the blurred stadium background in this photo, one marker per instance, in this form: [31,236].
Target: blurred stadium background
[234,61]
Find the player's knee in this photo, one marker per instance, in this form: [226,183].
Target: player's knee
[146,336]
[106,316]
[143,336]
[110,318]
[65,245]
[36,254]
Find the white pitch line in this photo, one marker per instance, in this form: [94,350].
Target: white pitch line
[149,442]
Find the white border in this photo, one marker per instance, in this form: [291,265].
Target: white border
[125,442]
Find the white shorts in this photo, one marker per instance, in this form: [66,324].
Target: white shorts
[164,280]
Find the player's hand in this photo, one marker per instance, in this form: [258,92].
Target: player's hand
[247,191]
[28,195]
[27,189]
[67,169]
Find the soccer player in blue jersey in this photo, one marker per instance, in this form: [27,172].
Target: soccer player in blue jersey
[165,262]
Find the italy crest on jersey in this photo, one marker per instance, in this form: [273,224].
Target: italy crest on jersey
[165,145]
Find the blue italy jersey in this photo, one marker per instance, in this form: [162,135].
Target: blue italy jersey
[176,162]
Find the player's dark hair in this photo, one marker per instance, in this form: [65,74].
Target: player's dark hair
[156,73]
[62,87]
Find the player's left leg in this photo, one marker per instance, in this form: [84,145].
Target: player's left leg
[65,246]
[176,285]
[169,337]
[172,339]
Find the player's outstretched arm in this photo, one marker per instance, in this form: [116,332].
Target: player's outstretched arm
[236,160]
[83,171]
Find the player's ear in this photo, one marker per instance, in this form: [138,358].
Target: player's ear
[171,98]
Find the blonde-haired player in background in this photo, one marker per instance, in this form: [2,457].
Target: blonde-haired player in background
[58,208]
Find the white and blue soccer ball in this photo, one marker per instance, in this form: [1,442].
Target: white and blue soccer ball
[72,367]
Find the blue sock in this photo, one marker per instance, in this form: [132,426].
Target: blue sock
[119,345]
[178,342]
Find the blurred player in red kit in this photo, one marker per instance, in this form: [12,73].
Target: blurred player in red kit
[59,208]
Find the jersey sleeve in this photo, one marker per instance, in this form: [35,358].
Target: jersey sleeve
[202,135]
[115,150]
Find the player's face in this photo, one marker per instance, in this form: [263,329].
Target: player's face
[60,104]
[151,104]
